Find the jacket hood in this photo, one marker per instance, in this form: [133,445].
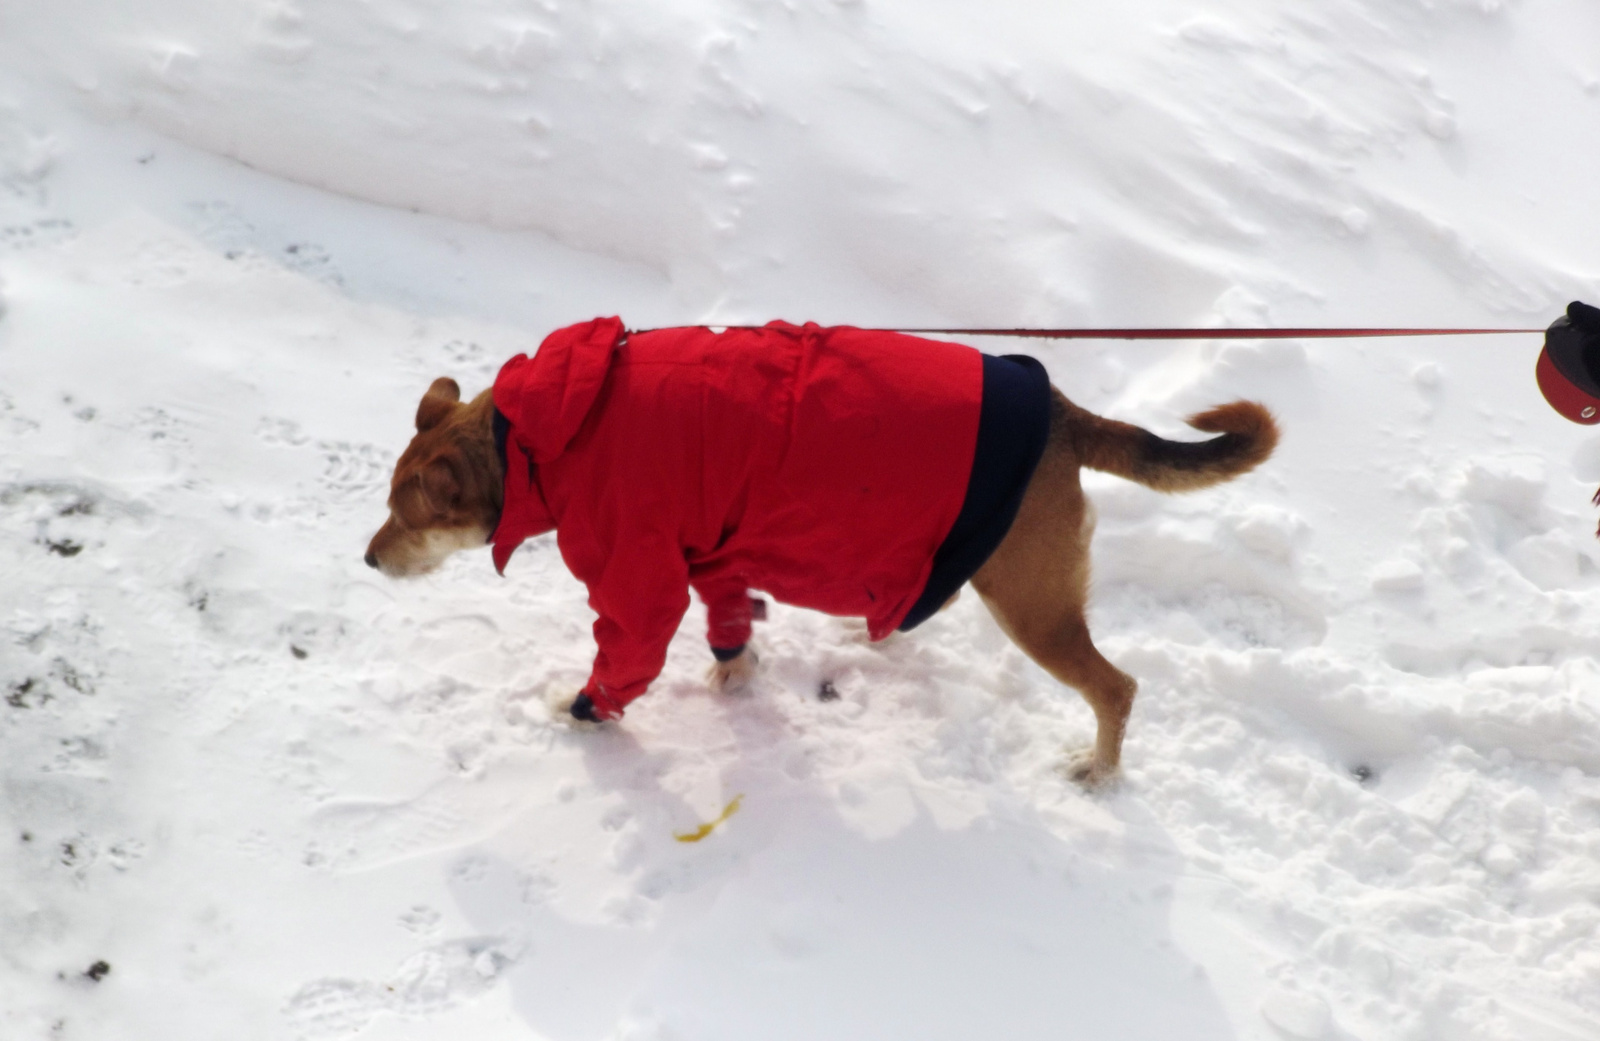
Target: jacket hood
[548,396]
[542,403]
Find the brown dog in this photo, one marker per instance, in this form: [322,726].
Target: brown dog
[447,495]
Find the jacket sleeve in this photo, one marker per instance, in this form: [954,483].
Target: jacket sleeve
[640,591]
[729,611]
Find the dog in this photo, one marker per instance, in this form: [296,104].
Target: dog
[850,471]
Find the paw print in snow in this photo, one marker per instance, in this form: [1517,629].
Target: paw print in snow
[355,471]
[63,514]
[464,352]
[275,431]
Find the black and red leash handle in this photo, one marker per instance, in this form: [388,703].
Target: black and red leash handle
[1154,334]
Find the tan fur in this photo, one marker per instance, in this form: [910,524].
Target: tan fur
[1036,583]
[1249,436]
[447,487]
[447,494]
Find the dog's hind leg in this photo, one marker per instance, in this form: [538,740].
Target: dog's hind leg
[1036,585]
[1057,637]
[1067,653]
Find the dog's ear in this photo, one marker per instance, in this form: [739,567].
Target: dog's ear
[441,397]
[440,487]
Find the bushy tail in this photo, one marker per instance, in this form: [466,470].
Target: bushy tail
[1249,434]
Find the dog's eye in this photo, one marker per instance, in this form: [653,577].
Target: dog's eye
[411,506]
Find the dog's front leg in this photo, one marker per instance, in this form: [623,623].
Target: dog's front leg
[735,674]
[574,708]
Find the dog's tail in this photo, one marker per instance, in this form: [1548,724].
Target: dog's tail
[1249,434]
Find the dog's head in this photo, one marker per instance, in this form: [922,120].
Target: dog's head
[446,493]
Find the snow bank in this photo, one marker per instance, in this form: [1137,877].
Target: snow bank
[1020,164]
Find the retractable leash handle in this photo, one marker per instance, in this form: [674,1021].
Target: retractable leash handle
[1569,367]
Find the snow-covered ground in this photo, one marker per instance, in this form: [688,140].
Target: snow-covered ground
[253,790]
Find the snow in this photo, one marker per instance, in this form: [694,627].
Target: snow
[281,797]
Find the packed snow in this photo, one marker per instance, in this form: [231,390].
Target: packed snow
[254,790]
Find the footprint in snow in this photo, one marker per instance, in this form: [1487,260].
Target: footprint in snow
[429,982]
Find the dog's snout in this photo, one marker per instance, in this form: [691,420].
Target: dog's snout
[371,558]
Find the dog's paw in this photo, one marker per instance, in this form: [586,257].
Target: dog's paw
[733,676]
[1086,771]
[561,711]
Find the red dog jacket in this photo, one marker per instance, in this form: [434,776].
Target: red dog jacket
[823,465]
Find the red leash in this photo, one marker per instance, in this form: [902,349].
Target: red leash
[1149,333]
[1213,334]
[1159,334]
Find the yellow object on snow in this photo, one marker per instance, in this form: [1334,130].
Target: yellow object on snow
[705,829]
